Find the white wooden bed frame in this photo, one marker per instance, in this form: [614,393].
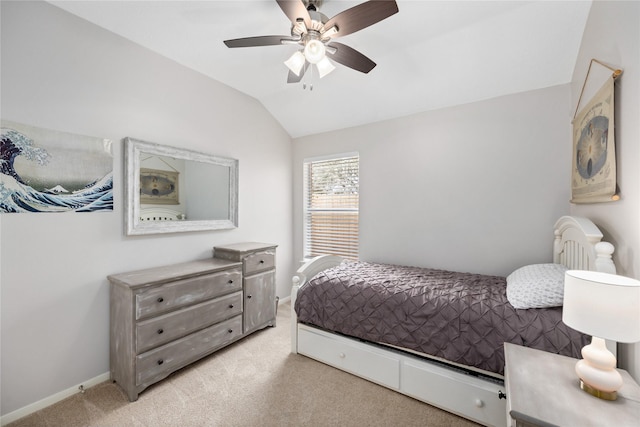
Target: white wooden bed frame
[161,214]
[475,396]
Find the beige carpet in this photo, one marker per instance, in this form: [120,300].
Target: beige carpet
[254,382]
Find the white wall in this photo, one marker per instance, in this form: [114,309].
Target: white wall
[458,188]
[612,35]
[62,73]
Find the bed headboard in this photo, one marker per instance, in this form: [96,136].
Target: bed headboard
[161,214]
[578,245]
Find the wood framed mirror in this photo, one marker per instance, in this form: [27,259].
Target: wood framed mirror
[169,189]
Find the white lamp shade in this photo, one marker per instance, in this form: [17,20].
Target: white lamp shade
[602,305]
[296,62]
[325,67]
[314,51]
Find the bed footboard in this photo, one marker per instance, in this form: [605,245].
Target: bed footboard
[304,273]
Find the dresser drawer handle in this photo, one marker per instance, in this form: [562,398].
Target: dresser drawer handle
[230,281]
[248,296]
[261,261]
[160,299]
[160,362]
[230,305]
[230,331]
[160,331]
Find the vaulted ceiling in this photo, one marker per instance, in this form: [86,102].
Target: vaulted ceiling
[430,55]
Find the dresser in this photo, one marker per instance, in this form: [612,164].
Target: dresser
[543,390]
[259,281]
[162,319]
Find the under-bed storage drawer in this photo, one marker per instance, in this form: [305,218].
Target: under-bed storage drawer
[349,355]
[454,391]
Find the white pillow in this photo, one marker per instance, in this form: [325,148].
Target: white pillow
[536,286]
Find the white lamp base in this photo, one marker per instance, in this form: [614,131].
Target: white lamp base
[597,372]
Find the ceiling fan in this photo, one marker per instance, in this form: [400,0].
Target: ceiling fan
[315,34]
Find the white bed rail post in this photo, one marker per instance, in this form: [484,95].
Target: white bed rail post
[604,263]
[297,280]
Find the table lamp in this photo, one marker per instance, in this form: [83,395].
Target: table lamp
[605,306]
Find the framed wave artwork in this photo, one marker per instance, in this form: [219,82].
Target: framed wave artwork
[43,170]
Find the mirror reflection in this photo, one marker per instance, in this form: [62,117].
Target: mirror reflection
[171,189]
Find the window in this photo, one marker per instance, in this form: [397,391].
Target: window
[331,207]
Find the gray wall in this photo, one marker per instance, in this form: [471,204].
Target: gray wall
[612,35]
[62,73]
[461,187]
[458,188]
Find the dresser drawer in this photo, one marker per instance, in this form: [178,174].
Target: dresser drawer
[160,362]
[259,261]
[162,329]
[185,292]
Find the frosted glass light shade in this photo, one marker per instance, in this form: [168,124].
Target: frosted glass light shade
[295,62]
[325,67]
[314,51]
[602,305]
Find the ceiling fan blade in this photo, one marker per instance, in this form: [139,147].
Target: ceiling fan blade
[259,41]
[350,57]
[361,16]
[292,78]
[295,11]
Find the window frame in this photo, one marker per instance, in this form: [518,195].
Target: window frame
[305,201]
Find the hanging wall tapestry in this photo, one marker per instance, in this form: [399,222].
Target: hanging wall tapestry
[593,176]
[50,171]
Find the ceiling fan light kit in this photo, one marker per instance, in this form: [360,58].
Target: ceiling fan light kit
[314,33]
[296,62]
[325,67]
[314,51]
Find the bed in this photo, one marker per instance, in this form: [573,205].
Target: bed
[436,335]
[161,214]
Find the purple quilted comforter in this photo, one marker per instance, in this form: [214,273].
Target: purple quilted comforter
[461,317]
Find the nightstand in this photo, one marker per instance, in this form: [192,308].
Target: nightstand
[543,390]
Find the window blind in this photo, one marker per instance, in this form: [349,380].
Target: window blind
[331,207]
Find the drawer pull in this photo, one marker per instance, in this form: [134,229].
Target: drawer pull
[342,355]
[479,403]
[160,331]
[230,281]
[160,362]
[501,395]
[261,261]
[230,305]
[248,296]
[160,299]
[230,331]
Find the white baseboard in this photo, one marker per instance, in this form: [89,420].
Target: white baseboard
[55,398]
[48,401]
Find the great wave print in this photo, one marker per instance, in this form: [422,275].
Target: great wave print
[49,171]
